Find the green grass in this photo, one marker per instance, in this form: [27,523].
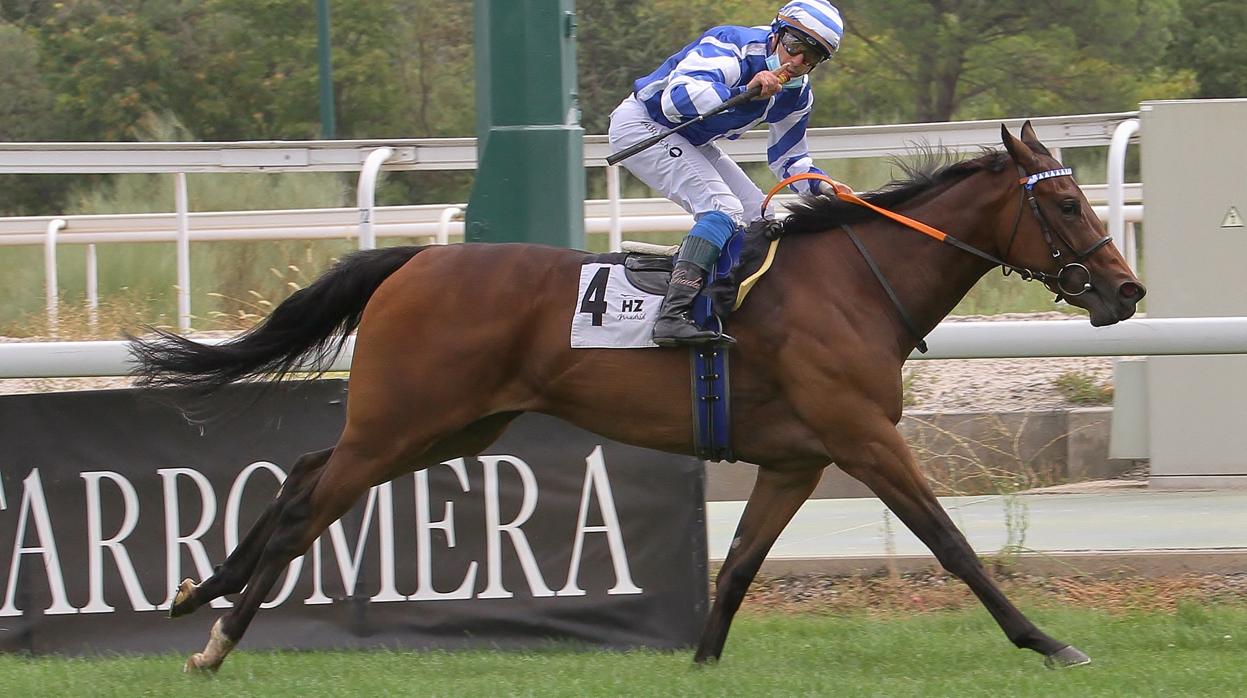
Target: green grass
[145,275]
[996,294]
[1196,652]
[911,386]
[1082,389]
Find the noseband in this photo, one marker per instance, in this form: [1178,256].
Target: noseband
[1067,274]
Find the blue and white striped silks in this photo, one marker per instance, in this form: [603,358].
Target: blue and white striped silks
[713,69]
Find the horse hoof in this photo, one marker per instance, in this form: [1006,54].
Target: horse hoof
[197,664]
[1066,657]
[702,660]
[180,605]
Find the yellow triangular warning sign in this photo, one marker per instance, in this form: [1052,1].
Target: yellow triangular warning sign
[1232,219]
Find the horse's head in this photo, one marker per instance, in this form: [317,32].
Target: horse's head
[1055,233]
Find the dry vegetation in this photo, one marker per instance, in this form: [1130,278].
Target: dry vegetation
[905,594]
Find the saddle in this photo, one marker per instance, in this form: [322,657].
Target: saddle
[745,258]
[649,272]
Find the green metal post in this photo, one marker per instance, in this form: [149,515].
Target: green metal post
[530,180]
[328,127]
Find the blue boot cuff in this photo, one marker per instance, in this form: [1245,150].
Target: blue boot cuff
[715,226]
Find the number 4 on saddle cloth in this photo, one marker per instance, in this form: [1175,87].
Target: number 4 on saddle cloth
[617,304]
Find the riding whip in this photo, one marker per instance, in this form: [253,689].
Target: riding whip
[751,93]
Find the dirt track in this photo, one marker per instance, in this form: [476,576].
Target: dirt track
[910,593]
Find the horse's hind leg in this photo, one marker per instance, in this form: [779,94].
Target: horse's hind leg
[310,506]
[774,500]
[306,512]
[884,463]
[231,576]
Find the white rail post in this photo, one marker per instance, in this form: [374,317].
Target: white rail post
[443,224]
[51,296]
[93,291]
[182,202]
[612,195]
[366,194]
[1117,189]
[1132,242]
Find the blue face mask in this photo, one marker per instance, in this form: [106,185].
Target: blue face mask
[772,64]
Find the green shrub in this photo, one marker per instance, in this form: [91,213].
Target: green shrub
[1081,389]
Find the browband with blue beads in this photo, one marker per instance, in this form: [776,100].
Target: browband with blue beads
[1031,181]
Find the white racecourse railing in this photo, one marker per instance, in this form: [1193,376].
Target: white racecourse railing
[436,221]
[950,340]
[367,222]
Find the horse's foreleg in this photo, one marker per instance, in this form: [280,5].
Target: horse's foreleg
[774,500]
[231,576]
[885,465]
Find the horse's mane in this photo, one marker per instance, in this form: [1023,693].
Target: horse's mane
[930,172]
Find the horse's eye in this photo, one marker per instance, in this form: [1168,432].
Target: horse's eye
[1069,207]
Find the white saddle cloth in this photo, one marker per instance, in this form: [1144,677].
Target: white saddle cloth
[610,312]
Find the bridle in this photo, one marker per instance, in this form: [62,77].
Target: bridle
[1067,275]
[1057,281]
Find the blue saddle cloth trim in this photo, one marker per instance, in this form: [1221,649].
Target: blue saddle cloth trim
[711,394]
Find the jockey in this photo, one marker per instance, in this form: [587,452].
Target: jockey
[690,169]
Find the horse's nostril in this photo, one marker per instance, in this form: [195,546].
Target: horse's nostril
[1131,291]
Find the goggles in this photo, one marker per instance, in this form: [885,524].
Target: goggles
[796,43]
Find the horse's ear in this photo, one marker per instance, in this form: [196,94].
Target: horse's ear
[1020,152]
[1032,140]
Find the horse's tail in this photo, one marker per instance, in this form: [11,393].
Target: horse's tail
[305,332]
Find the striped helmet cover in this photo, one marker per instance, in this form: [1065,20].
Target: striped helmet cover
[818,19]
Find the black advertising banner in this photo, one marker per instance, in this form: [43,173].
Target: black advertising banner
[108,499]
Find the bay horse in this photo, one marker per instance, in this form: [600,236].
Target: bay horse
[456,341]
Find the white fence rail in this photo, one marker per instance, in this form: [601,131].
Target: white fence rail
[951,340]
[1075,131]
[436,221]
[367,222]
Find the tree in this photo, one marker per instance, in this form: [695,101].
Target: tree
[25,111]
[938,60]
[110,65]
[623,40]
[247,69]
[1211,41]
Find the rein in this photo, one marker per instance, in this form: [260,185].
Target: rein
[1028,182]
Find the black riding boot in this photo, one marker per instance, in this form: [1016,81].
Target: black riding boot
[675,326]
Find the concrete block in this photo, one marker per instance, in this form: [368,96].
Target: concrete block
[972,453]
[732,482]
[1087,445]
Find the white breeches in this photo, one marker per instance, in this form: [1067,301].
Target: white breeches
[699,178]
